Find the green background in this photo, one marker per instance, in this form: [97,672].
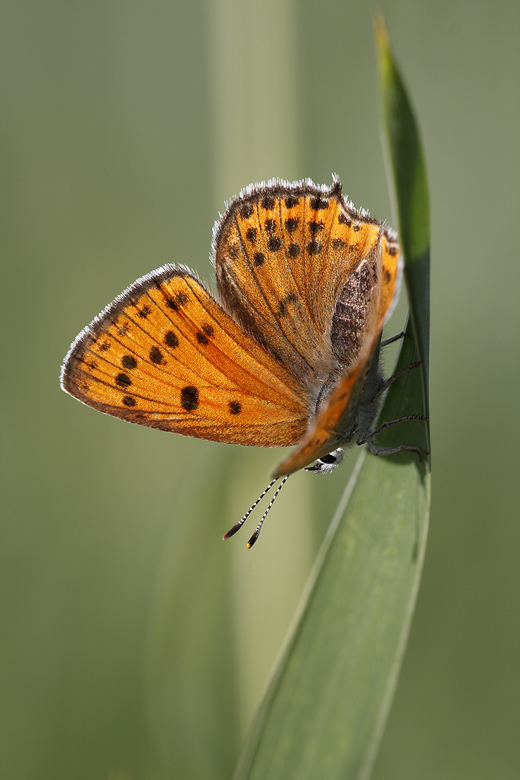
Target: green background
[125,126]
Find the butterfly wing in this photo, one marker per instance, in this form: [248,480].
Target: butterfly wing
[166,355]
[328,429]
[283,254]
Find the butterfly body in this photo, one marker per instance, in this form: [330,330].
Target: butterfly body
[288,351]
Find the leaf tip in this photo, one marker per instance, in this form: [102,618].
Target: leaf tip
[381,31]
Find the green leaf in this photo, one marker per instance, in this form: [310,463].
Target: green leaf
[326,705]
[407,173]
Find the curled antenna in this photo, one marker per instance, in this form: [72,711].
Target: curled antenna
[242,520]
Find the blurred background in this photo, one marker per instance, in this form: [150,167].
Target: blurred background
[134,643]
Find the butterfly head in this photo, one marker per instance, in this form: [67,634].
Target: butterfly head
[327,463]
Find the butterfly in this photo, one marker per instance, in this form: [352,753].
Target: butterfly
[285,353]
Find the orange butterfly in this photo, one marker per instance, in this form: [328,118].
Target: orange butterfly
[287,353]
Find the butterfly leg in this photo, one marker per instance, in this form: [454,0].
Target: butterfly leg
[392,379]
[400,448]
[394,338]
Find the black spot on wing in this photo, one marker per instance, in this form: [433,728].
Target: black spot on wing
[128,362]
[123,380]
[319,203]
[268,203]
[315,227]
[189,398]
[274,244]
[156,356]
[170,339]
[177,300]
[314,247]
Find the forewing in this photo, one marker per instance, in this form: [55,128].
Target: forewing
[166,355]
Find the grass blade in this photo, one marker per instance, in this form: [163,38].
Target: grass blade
[409,191]
[326,705]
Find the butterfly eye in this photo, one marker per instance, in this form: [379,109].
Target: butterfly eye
[327,463]
[328,459]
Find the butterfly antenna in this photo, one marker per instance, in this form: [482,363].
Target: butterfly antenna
[260,524]
[238,526]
